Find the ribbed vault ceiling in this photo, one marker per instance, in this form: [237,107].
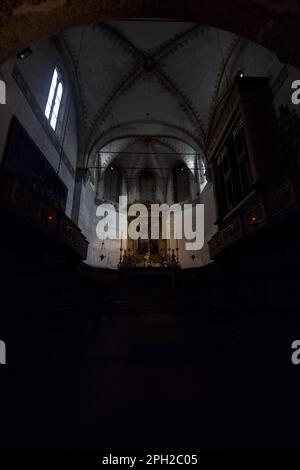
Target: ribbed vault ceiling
[135,80]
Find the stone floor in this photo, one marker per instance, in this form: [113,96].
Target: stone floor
[158,381]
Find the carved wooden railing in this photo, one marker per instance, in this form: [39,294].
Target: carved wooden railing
[18,199]
[262,209]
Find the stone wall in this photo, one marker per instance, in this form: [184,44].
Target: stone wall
[27,86]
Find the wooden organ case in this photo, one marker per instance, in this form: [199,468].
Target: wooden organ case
[251,183]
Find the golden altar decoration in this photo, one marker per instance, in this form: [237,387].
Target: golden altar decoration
[147,252]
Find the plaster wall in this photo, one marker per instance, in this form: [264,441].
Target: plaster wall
[26,99]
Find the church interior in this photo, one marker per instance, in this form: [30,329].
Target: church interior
[141,343]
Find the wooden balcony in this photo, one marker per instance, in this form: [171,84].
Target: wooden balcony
[261,210]
[21,203]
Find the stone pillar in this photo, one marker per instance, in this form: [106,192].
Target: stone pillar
[79,179]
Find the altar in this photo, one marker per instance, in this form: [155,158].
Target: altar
[149,252]
[150,278]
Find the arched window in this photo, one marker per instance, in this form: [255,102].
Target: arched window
[112,183]
[202,169]
[54,98]
[147,186]
[181,177]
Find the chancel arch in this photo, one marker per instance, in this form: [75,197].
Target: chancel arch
[111,140]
